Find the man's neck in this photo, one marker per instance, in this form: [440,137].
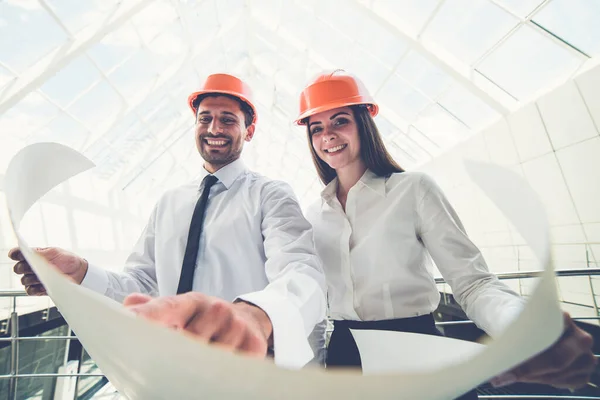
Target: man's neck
[212,168]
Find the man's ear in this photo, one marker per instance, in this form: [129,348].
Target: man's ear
[250,132]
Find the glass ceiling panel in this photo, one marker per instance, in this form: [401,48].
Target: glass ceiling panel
[368,68]
[527,62]
[184,147]
[183,152]
[107,159]
[168,46]
[380,42]
[229,12]
[29,115]
[410,14]
[98,108]
[167,120]
[235,47]
[497,92]
[521,8]
[154,19]
[200,30]
[62,129]
[267,11]
[288,78]
[265,39]
[136,86]
[207,65]
[401,98]
[128,129]
[424,142]
[5,77]
[467,108]
[70,82]
[440,127]
[35,29]
[336,49]
[125,96]
[343,18]
[297,22]
[414,154]
[430,79]
[386,128]
[77,14]
[468,32]
[371,36]
[574,21]
[11,144]
[115,48]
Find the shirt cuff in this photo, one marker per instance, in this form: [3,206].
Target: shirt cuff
[95,279]
[505,318]
[290,342]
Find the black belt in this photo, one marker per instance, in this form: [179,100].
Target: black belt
[422,324]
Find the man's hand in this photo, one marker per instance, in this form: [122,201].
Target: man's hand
[568,364]
[68,263]
[233,326]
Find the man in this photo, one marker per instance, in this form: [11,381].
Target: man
[243,274]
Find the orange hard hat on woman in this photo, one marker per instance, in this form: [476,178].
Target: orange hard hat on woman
[226,84]
[333,90]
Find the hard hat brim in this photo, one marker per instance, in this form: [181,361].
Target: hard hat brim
[192,98]
[373,109]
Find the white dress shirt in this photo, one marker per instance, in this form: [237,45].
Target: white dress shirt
[377,255]
[255,246]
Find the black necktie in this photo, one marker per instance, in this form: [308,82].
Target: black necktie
[191,249]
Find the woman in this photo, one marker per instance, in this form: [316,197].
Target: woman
[377,228]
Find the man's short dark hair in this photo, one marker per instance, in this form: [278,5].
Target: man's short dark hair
[245,107]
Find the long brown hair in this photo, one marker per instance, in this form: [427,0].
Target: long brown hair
[372,150]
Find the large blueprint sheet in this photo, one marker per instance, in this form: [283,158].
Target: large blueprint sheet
[147,361]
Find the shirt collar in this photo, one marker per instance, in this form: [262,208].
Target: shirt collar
[373,182]
[330,190]
[227,174]
[369,179]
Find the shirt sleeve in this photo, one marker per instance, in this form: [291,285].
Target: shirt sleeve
[139,274]
[488,302]
[294,299]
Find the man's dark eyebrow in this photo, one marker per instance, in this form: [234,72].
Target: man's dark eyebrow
[230,113]
[206,112]
[314,123]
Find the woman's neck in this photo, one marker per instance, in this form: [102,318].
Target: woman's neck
[348,176]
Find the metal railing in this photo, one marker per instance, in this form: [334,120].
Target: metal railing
[536,396]
[536,274]
[15,339]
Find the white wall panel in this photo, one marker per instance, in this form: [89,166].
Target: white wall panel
[529,133]
[592,232]
[544,175]
[588,84]
[554,144]
[581,167]
[566,117]
[500,144]
[567,234]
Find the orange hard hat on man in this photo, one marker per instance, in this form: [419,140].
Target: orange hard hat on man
[226,84]
[333,90]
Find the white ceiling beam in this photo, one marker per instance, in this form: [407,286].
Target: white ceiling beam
[32,79]
[433,58]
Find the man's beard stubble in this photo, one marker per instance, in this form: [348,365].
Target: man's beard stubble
[231,151]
